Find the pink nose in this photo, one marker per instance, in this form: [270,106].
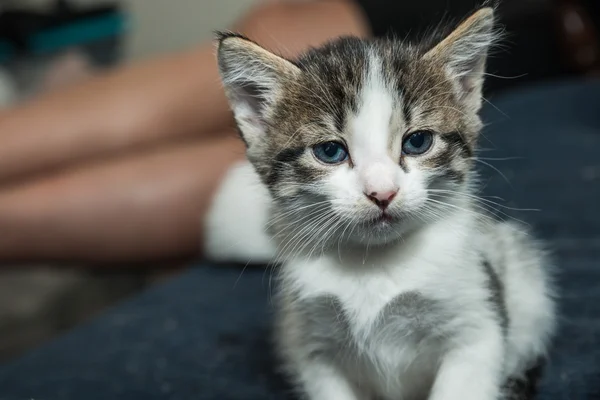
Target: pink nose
[382,199]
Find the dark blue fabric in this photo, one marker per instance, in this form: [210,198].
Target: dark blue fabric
[205,334]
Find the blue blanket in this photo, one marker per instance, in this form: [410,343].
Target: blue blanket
[205,335]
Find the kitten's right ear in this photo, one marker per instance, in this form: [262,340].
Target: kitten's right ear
[253,78]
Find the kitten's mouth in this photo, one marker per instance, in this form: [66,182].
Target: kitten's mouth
[384,219]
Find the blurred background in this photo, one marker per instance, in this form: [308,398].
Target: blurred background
[110,32]
[45,44]
[48,44]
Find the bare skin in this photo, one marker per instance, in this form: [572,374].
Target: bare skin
[123,167]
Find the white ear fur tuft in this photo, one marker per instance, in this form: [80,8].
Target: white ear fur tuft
[253,78]
[464,53]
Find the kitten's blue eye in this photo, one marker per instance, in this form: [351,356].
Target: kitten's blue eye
[417,143]
[331,152]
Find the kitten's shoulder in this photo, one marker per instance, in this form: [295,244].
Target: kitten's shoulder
[516,238]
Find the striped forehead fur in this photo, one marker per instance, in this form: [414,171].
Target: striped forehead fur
[317,106]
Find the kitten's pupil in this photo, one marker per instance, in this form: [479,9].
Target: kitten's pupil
[417,140]
[331,149]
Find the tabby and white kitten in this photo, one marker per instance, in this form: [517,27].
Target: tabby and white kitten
[395,285]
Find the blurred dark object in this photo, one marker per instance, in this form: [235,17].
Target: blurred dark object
[26,32]
[43,50]
[537,45]
[578,35]
[41,302]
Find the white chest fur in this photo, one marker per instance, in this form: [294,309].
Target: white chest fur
[365,281]
[390,339]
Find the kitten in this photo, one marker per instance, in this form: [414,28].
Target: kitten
[395,285]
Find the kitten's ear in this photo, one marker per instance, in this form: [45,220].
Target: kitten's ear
[253,78]
[464,53]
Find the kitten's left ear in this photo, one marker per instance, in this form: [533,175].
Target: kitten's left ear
[464,53]
[253,78]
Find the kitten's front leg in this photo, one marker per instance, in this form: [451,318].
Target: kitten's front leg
[473,369]
[320,381]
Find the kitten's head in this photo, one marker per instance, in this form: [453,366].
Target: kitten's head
[361,139]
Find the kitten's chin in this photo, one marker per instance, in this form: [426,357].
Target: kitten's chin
[381,231]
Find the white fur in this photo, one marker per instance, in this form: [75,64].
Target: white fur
[366,283]
[370,130]
[234,227]
[326,382]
